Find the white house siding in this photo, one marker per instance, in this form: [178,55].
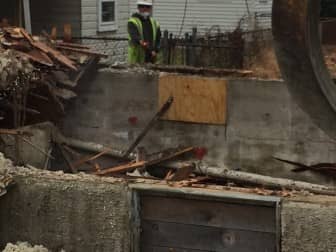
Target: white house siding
[117,50]
[224,14]
[45,14]
[263,13]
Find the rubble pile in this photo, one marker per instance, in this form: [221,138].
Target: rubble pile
[38,70]
[5,182]
[24,247]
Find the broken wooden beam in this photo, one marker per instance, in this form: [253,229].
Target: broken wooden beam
[89,158]
[150,125]
[135,165]
[74,45]
[91,147]
[80,50]
[264,181]
[50,51]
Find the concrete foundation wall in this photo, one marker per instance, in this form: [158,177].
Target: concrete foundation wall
[263,121]
[86,213]
[75,213]
[309,225]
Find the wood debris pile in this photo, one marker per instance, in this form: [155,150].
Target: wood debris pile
[5,182]
[36,72]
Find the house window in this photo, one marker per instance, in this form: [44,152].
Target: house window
[107,15]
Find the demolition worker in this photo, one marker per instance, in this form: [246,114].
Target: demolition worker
[144,35]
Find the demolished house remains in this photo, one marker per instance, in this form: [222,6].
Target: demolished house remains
[97,157]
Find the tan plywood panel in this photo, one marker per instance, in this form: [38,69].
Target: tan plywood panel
[196,99]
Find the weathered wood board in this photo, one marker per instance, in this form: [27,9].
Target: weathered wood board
[179,224]
[196,99]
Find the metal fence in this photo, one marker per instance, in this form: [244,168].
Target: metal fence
[224,50]
[219,49]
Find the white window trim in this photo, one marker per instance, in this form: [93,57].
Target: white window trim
[107,26]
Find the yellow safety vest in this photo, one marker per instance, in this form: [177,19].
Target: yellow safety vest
[136,54]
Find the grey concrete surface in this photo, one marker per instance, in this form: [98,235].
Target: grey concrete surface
[263,121]
[74,213]
[309,225]
[86,213]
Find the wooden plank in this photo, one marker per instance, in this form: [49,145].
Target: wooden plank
[80,50]
[196,99]
[134,165]
[61,58]
[50,51]
[209,213]
[37,56]
[166,234]
[74,45]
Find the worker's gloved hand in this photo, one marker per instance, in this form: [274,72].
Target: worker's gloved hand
[144,44]
[154,54]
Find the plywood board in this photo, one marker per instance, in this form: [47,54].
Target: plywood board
[196,99]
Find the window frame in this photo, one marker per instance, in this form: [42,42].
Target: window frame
[107,26]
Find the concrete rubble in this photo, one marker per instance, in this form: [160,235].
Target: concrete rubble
[24,247]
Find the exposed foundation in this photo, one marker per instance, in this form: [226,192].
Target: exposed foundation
[85,213]
[88,213]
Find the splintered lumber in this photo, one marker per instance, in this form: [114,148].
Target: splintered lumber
[35,59]
[74,45]
[80,50]
[90,158]
[88,146]
[77,155]
[182,173]
[50,51]
[26,35]
[55,54]
[265,181]
[164,108]
[134,165]
[122,168]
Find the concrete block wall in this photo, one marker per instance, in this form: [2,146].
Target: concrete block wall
[263,121]
[309,224]
[74,213]
[86,213]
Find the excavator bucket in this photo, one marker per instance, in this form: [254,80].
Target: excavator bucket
[296,32]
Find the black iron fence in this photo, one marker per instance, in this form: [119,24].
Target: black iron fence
[225,50]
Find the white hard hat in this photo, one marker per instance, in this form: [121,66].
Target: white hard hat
[145,2]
